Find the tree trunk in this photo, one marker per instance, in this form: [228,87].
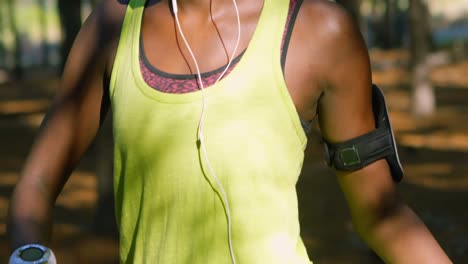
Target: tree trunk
[2,44]
[390,37]
[70,20]
[17,72]
[373,7]
[44,29]
[423,98]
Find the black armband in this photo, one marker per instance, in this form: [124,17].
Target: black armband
[361,151]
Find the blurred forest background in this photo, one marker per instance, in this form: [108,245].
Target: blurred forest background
[419,55]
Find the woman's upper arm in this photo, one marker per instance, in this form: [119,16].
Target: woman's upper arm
[345,112]
[75,115]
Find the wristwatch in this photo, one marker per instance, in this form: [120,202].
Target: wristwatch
[32,254]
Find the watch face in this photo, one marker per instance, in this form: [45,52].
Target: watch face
[32,254]
[350,156]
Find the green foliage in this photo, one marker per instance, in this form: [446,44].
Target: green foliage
[26,25]
[27,17]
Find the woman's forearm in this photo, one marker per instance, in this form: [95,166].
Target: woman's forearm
[400,237]
[29,217]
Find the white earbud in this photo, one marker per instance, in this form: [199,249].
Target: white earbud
[174,6]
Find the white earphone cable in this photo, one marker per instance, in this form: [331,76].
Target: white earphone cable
[201,136]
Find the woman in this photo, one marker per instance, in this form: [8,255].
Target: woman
[208,134]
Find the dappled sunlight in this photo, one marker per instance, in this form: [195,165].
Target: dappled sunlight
[398,100]
[449,118]
[8,178]
[7,181]
[434,149]
[65,230]
[3,76]
[404,123]
[79,192]
[442,140]
[389,68]
[23,106]
[12,161]
[389,56]
[326,223]
[401,121]
[445,131]
[437,176]
[391,77]
[43,86]
[3,215]
[453,118]
[455,75]
[33,120]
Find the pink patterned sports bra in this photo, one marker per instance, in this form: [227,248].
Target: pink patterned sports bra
[186,83]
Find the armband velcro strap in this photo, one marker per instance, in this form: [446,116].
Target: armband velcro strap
[361,151]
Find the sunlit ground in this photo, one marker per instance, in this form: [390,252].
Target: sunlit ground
[434,153]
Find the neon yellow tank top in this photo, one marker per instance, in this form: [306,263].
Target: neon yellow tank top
[167,206]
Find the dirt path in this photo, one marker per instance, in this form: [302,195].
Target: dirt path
[434,152]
